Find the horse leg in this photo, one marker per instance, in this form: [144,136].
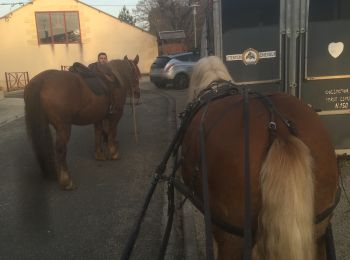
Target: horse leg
[62,138]
[112,143]
[99,155]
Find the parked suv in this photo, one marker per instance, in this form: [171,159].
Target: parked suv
[173,69]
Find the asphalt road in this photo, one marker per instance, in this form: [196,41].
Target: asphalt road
[341,217]
[39,221]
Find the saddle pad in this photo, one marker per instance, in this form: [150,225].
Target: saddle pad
[96,85]
[92,80]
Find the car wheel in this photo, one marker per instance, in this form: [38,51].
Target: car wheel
[160,85]
[181,81]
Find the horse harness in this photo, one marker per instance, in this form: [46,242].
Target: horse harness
[217,90]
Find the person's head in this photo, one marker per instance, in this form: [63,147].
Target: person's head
[102,58]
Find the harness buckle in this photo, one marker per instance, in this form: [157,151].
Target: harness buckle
[272,125]
[292,127]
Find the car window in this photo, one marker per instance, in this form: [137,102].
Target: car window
[161,61]
[189,57]
[195,57]
[186,57]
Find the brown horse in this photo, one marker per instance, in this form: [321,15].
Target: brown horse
[62,98]
[293,172]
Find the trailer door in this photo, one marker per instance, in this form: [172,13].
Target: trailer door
[325,72]
[251,42]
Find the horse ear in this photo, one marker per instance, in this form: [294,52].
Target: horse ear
[126,57]
[136,60]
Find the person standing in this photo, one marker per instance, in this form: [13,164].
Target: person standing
[101,59]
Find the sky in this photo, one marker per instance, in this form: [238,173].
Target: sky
[112,7]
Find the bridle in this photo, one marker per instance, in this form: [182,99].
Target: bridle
[135,79]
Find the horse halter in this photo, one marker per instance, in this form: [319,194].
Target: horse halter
[135,71]
[134,82]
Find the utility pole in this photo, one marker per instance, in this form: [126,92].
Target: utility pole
[194,6]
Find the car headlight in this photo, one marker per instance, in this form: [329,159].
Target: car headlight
[168,67]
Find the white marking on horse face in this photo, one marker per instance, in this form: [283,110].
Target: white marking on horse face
[335,49]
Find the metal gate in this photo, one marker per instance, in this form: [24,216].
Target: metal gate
[297,46]
[16,80]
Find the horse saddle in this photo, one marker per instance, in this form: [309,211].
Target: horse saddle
[93,80]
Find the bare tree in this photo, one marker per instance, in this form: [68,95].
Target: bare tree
[169,15]
[142,12]
[125,16]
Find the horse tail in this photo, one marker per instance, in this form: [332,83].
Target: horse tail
[38,129]
[286,221]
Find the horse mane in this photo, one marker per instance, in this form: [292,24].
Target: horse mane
[207,70]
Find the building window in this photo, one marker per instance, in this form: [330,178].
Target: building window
[58,27]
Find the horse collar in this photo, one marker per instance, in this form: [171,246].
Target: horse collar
[217,89]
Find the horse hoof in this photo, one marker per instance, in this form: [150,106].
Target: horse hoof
[115,156]
[68,186]
[100,157]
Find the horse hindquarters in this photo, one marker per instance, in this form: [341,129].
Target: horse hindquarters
[286,219]
[38,130]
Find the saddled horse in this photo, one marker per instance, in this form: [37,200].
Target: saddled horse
[287,153]
[63,99]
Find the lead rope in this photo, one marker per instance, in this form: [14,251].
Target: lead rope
[132,99]
[247,188]
[134,115]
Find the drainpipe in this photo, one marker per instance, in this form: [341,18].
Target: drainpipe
[292,33]
[217,28]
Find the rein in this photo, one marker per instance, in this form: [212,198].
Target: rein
[205,189]
[248,237]
[190,111]
[216,90]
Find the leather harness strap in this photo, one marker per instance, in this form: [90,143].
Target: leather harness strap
[248,236]
[205,188]
[222,89]
[214,91]
[232,229]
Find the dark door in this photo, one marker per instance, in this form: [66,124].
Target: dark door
[325,82]
[251,41]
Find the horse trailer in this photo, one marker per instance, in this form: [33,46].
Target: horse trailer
[301,47]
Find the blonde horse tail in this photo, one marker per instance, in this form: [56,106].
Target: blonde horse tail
[38,129]
[286,221]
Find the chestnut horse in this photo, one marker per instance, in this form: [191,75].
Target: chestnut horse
[63,99]
[293,168]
